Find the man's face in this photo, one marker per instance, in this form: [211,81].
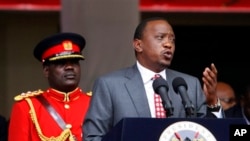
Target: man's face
[63,75]
[157,45]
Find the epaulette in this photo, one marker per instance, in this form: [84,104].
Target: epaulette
[89,93]
[27,94]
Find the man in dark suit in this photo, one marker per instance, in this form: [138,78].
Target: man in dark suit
[241,109]
[226,94]
[228,99]
[128,92]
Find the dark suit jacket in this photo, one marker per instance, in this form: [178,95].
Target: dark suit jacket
[3,129]
[121,94]
[234,112]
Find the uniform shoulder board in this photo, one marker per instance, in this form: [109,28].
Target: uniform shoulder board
[89,93]
[27,94]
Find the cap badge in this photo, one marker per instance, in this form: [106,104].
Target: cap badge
[67,45]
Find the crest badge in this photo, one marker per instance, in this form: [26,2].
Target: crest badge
[67,45]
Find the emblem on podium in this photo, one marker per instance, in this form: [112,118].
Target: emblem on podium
[186,131]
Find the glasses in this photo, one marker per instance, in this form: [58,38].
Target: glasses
[228,100]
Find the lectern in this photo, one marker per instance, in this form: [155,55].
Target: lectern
[172,129]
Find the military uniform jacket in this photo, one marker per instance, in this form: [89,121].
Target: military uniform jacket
[71,107]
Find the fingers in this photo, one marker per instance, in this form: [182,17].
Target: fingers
[210,75]
[205,90]
[209,82]
[214,69]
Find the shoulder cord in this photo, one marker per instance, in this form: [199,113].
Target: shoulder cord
[62,137]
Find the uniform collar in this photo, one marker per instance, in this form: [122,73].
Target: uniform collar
[64,97]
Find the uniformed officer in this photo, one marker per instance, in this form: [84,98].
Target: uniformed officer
[57,113]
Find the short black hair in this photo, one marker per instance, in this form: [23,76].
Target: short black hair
[141,26]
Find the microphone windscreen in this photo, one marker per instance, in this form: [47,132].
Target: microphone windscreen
[159,82]
[178,81]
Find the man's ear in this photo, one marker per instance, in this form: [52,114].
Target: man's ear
[46,70]
[137,45]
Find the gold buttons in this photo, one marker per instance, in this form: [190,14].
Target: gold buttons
[66,106]
[68,126]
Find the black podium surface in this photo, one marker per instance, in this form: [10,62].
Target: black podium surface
[186,129]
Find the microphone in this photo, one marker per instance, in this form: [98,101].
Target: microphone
[161,87]
[180,87]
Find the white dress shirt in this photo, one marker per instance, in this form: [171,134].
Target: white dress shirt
[147,76]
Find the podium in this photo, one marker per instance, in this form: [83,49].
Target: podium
[172,129]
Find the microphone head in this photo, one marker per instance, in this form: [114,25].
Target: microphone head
[159,82]
[178,81]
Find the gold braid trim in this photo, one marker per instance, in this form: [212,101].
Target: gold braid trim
[62,137]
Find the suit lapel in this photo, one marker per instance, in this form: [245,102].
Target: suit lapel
[137,92]
[170,76]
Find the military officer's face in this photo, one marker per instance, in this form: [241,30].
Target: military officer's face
[63,75]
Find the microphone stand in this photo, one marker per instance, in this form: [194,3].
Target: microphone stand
[189,110]
[168,109]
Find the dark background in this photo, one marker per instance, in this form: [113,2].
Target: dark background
[225,46]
